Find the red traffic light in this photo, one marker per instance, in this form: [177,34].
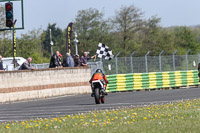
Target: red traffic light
[9,14]
[9,6]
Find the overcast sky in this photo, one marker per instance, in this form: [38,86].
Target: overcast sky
[38,13]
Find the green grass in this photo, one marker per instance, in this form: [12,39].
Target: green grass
[183,116]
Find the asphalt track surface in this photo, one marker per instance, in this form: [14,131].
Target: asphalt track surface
[84,103]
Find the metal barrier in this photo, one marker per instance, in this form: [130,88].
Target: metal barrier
[95,65]
[150,64]
[153,80]
[147,63]
[41,66]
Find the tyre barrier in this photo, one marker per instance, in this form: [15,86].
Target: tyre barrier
[152,80]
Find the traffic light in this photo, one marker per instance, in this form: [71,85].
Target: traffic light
[9,14]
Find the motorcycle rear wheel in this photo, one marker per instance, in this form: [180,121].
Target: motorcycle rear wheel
[97,96]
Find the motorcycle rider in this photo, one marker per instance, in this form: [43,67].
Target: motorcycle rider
[99,75]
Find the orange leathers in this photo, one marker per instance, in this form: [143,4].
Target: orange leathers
[98,76]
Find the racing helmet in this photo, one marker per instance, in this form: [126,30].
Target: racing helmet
[98,71]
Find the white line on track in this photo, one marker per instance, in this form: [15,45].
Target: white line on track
[40,99]
[35,117]
[57,109]
[72,107]
[48,111]
[60,108]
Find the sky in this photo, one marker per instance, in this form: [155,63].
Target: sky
[38,13]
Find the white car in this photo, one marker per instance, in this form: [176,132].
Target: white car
[8,63]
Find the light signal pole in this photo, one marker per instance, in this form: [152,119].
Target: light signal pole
[14,45]
[51,42]
[76,43]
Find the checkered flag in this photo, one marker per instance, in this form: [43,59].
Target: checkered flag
[104,51]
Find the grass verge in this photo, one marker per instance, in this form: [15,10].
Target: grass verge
[183,116]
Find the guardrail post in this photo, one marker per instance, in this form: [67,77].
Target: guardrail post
[160,62]
[146,62]
[131,60]
[116,63]
[173,59]
[186,57]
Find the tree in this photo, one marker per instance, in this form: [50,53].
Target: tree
[57,38]
[127,21]
[196,32]
[184,40]
[30,45]
[155,38]
[6,47]
[91,29]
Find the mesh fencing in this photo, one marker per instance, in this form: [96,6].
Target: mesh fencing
[123,65]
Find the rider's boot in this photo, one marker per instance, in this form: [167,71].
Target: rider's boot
[104,91]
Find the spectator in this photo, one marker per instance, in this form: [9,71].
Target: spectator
[64,62]
[84,59]
[69,61]
[26,65]
[77,61]
[54,62]
[60,62]
[1,63]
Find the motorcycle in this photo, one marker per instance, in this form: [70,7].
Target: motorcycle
[98,87]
